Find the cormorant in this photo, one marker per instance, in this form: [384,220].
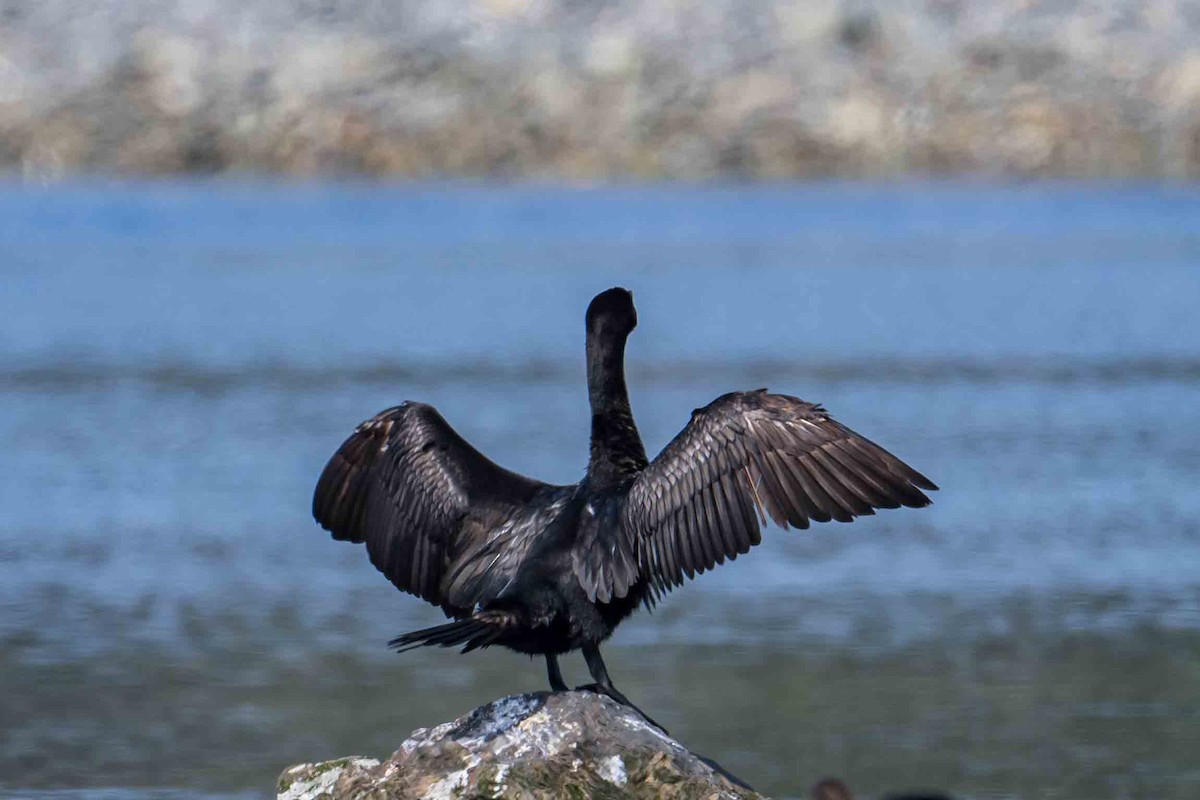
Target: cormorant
[545,569]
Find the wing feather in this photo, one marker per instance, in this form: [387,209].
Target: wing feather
[424,502]
[747,457]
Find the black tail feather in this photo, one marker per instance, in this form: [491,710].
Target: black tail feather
[472,634]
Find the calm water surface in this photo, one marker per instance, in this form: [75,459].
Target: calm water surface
[178,361]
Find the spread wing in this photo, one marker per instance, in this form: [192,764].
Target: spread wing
[428,505]
[749,455]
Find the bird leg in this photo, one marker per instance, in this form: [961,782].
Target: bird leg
[556,679]
[603,684]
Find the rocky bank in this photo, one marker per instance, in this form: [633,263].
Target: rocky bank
[584,89]
[540,745]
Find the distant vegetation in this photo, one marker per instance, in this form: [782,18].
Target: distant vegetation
[583,89]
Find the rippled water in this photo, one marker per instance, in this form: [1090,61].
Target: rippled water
[178,361]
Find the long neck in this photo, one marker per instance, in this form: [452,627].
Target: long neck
[617,452]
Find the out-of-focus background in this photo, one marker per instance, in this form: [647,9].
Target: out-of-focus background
[584,89]
[180,353]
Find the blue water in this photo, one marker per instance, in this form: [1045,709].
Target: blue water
[177,361]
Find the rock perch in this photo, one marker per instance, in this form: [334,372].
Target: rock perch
[539,745]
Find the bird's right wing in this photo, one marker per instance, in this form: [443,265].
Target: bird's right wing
[752,454]
[422,499]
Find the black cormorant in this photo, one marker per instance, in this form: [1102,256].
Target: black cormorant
[545,569]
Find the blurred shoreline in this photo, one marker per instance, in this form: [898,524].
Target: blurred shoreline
[571,90]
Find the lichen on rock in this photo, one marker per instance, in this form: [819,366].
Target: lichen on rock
[540,745]
[316,780]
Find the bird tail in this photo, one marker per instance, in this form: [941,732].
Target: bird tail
[472,633]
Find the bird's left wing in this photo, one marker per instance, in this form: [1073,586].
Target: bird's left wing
[748,455]
[423,500]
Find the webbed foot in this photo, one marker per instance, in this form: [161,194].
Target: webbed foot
[615,694]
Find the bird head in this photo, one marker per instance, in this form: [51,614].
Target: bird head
[612,313]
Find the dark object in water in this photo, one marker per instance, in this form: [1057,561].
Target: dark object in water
[836,789]
[545,569]
[831,789]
